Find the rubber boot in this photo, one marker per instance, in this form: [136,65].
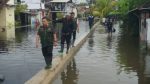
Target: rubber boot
[67,49]
[73,43]
[62,48]
[48,61]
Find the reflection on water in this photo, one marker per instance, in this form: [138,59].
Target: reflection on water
[3,47]
[91,43]
[70,75]
[19,59]
[109,41]
[116,59]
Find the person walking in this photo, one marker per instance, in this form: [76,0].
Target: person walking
[47,36]
[75,27]
[91,20]
[67,28]
[109,26]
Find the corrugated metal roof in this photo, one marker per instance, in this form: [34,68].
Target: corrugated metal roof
[60,1]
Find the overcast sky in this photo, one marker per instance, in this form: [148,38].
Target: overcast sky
[34,4]
[38,1]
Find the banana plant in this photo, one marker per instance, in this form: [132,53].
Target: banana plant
[104,7]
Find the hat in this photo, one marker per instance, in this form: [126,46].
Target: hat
[72,13]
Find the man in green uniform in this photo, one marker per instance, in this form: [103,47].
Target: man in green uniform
[47,36]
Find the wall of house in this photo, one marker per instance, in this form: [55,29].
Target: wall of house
[10,22]
[7,25]
[11,2]
[3,23]
[143,28]
[148,31]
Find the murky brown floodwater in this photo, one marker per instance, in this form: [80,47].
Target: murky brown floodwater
[20,60]
[108,60]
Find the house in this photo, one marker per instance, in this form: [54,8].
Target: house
[7,22]
[33,14]
[143,14]
[60,6]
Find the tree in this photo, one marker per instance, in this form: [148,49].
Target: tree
[126,5]
[104,7]
[20,8]
[123,6]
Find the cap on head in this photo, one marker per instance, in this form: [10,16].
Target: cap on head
[72,13]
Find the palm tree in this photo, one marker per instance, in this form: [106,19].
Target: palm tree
[104,7]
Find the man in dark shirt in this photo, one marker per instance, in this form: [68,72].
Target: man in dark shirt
[47,36]
[91,21]
[75,27]
[109,26]
[67,28]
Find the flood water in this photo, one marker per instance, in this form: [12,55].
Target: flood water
[108,60]
[20,60]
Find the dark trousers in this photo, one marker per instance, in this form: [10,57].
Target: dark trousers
[73,37]
[90,24]
[109,29]
[65,37]
[48,55]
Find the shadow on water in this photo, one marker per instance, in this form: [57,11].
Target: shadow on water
[91,43]
[70,75]
[23,33]
[109,41]
[133,59]
[119,56]
[19,59]
[3,46]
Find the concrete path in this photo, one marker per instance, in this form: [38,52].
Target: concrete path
[59,62]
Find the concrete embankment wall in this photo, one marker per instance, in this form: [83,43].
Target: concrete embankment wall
[59,63]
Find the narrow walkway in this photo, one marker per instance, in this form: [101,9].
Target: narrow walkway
[47,76]
[20,60]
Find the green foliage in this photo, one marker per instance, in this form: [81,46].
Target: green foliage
[136,3]
[17,23]
[123,6]
[79,15]
[104,7]
[96,13]
[126,5]
[20,8]
[60,15]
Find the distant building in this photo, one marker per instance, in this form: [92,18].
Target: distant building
[91,1]
[60,6]
[35,11]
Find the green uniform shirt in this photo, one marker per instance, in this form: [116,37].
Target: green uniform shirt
[46,35]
